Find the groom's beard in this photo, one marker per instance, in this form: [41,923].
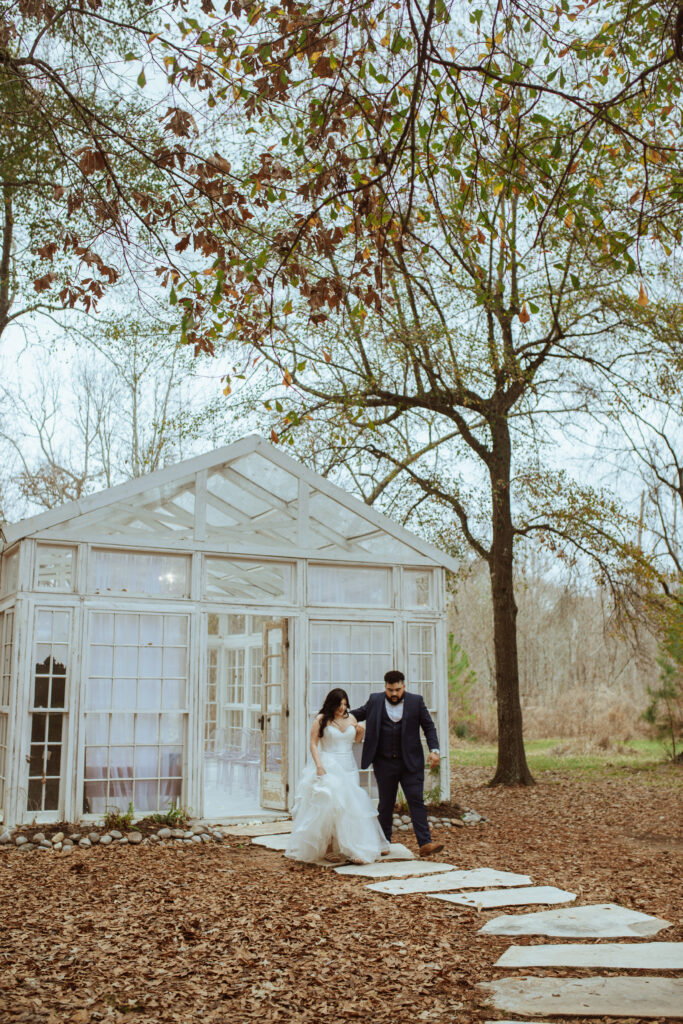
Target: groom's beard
[395,700]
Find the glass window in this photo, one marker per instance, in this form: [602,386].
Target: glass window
[249,582]
[10,572]
[55,567]
[420,675]
[353,655]
[136,710]
[342,585]
[128,572]
[48,707]
[417,588]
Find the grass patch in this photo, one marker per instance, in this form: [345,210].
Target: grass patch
[577,756]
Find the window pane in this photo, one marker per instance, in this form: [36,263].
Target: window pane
[139,573]
[337,659]
[258,582]
[339,585]
[55,567]
[9,578]
[417,585]
[149,693]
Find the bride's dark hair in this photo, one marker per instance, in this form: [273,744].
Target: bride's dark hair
[331,704]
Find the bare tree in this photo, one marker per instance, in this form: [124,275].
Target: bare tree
[118,415]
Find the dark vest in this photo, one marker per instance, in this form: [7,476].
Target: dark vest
[389,737]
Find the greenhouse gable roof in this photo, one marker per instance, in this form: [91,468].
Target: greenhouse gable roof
[245,498]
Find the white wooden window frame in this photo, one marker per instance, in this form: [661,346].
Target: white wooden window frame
[7,618]
[184,712]
[389,572]
[27,709]
[65,588]
[183,558]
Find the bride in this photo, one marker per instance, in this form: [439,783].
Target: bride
[334,819]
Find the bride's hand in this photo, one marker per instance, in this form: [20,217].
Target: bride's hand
[360,732]
[320,770]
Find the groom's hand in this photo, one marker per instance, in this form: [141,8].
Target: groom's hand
[433,759]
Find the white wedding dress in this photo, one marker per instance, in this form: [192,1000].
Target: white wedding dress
[333,808]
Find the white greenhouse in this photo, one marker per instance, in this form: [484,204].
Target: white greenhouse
[167,641]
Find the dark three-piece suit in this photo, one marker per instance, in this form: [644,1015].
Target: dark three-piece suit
[395,752]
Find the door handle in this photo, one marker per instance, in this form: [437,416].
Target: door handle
[261,722]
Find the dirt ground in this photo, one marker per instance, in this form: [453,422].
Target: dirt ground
[234,933]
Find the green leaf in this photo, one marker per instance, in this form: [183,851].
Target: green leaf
[142,81]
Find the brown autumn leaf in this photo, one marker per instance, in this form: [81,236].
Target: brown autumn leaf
[43,283]
[642,296]
[48,250]
[91,160]
[524,317]
[274,437]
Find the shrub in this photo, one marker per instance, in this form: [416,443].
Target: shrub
[122,822]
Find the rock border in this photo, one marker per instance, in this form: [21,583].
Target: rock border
[26,840]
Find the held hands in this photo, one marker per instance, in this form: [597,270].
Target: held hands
[433,759]
[360,733]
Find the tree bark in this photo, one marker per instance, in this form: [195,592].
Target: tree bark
[5,257]
[512,768]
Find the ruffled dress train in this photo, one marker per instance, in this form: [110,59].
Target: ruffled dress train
[333,808]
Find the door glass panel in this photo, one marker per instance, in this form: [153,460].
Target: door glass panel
[232,710]
[47,710]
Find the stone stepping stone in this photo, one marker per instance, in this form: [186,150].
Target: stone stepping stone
[397,850]
[643,998]
[638,956]
[602,920]
[450,880]
[271,842]
[266,828]
[486,898]
[380,869]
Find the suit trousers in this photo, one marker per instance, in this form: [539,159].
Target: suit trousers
[389,773]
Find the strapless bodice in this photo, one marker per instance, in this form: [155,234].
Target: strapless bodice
[334,741]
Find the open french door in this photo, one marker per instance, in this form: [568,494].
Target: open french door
[275,715]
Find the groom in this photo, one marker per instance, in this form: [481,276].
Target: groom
[392,746]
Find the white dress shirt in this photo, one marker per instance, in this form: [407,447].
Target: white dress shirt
[395,711]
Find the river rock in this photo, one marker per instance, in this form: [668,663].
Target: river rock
[134,838]
[58,837]
[38,838]
[164,833]
[106,840]
[115,834]
[84,842]
[94,837]
[20,841]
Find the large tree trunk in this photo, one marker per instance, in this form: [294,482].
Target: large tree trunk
[512,769]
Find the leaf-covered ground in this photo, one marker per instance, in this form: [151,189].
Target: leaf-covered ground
[234,933]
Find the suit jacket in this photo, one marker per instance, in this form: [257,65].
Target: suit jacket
[415,717]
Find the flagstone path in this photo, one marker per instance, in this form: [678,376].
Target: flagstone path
[645,997]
